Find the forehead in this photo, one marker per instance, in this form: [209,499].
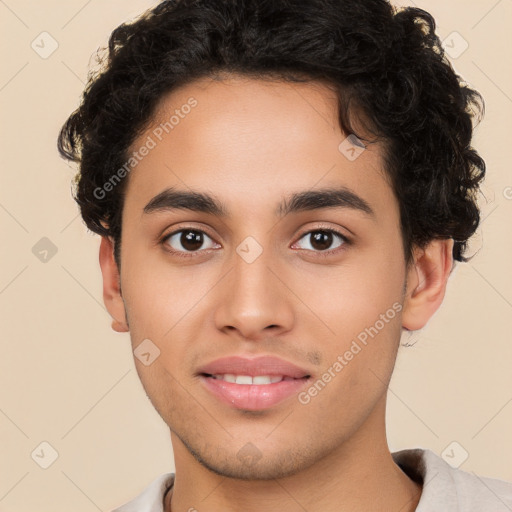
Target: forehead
[249,142]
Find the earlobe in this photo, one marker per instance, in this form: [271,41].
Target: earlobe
[111,286]
[427,278]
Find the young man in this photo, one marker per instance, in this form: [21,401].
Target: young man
[281,188]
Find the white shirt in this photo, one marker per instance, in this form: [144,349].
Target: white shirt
[445,489]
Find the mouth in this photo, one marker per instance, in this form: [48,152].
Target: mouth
[253,384]
[257,380]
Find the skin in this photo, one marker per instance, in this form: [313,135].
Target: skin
[250,143]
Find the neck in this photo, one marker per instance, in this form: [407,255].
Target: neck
[360,474]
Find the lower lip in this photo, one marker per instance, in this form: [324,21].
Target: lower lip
[253,397]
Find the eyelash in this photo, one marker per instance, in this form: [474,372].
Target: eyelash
[346,241]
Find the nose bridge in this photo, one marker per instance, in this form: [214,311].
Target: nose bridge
[253,298]
[251,279]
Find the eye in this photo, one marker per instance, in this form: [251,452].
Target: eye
[321,240]
[187,241]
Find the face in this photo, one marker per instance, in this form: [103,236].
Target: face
[317,282]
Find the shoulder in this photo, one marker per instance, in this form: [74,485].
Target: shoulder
[447,488]
[151,498]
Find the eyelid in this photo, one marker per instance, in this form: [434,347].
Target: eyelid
[184,255]
[346,240]
[325,227]
[178,229]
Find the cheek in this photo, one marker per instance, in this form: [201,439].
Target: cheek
[361,303]
[359,357]
[159,294]
[353,295]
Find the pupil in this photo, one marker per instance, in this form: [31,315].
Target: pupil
[191,240]
[321,240]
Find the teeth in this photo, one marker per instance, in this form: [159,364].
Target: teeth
[247,379]
[243,379]
[261,379]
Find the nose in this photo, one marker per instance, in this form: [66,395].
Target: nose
[254,302]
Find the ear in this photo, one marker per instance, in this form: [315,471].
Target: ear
[111,286]
[427,277]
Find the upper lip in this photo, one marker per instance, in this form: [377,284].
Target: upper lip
[261,365]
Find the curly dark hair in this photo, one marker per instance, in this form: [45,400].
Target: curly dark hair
[386,65]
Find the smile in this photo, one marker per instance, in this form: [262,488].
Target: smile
[257,380]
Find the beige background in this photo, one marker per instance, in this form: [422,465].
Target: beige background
[66,378]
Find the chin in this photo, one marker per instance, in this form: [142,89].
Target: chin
[251,464]
[262,470]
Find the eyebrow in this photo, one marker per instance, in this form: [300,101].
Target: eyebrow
[172,199]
